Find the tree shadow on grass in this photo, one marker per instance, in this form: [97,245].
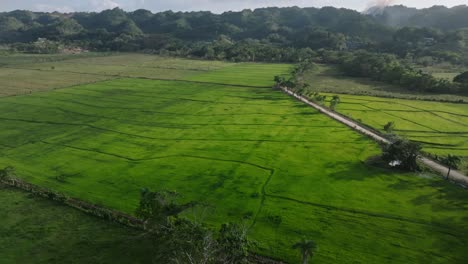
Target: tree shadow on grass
[357,171]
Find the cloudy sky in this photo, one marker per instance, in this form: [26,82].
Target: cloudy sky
[213,5]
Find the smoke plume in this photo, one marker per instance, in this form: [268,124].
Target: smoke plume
[376,7]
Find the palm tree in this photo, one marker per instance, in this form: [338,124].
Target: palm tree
[307,248]
[452,162]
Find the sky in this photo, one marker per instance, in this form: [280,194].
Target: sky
[216,6]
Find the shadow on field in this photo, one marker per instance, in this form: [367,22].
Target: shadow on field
[357,171]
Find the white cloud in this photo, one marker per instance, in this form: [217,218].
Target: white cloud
[48,8]
[189,5]
[99,5]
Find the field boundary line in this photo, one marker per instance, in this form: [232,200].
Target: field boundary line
[455,176]
[362,212]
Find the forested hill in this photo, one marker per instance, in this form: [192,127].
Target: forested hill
[269,31]
[439,17]
[275,24]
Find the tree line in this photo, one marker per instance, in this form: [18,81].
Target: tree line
[389,69]
[272,34]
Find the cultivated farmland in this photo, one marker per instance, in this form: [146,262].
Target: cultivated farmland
[252,153]
[442,128]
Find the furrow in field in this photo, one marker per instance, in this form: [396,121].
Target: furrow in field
[143,110]
[149,78]
[362,212]
[402,118]
[161,97]
[176,139]
[129,159]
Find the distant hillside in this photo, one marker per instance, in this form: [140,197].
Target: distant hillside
[277,24]
[439,17]
[277,34]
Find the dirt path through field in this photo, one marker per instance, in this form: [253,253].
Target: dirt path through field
[454,175]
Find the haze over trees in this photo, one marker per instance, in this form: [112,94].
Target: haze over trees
[281,34]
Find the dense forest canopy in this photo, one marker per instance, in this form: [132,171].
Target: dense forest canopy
[439,17]
[437,31]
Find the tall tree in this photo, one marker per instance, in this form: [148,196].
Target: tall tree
[307,249]
[404,152]
[157,209]
[234,244]
[452,162]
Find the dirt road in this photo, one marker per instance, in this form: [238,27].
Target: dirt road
[454,175]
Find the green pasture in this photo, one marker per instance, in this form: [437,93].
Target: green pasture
[131,65]
[251,153]
[246,74]
[35,230]
[11,59]
[25,74]
[25,81]
[328,79]
[443,71]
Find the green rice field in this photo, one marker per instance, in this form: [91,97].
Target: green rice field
[442,128]
[251,152]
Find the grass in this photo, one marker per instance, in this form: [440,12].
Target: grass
[441,128]
[23,81]
[443,71]
[327,78]
[35,230]
[25,74]
[132,65]
[246,74]
[11,59]
[252,153]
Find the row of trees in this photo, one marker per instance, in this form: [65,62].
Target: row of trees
[389,69]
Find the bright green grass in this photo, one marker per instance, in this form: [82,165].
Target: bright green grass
[327,79]
[252,153]
[35,230]
[247,74]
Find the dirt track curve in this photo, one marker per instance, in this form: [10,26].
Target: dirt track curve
[454,175]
